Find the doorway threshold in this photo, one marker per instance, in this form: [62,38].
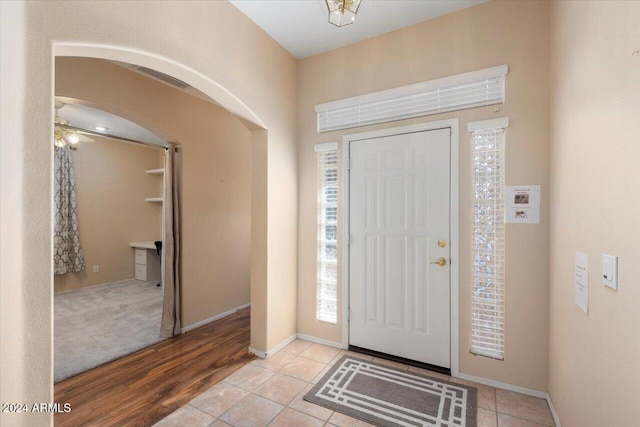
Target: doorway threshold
[428,366]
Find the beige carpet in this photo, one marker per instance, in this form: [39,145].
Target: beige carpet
[95,325]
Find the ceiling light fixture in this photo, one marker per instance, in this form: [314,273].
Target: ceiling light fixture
[63,135]
[101,128]
[342,12]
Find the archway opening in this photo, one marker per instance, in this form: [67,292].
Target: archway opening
[256,138]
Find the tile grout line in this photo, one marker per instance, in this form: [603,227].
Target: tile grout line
[193,407]
[523,419]
[271,400]
[294,398]
[298,357]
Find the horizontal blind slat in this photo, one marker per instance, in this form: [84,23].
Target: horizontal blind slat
[482,92]
[488,296]
[327,198]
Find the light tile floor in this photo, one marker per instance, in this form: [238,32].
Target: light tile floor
[269,393]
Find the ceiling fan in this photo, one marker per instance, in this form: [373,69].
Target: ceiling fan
[63,133]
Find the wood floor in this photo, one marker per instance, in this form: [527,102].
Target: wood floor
[144,387]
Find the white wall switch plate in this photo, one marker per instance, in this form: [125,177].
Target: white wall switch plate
[96,268]
[610,271]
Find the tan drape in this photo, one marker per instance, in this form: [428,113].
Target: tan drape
[170,325]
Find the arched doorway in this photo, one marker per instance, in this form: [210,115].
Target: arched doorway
[258,130]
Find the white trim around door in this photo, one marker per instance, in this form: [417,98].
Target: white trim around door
[452,124]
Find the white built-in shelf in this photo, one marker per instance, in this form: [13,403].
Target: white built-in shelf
[154,172]
[143,245]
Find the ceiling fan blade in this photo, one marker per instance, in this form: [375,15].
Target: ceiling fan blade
[85,138]
[59,130]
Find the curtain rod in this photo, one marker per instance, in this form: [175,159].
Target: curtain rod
[106,135]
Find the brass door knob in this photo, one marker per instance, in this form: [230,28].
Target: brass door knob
[440,261]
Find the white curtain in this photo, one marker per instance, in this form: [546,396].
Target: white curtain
[67,253]
[170,324]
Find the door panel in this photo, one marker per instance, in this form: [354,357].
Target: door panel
[399,208]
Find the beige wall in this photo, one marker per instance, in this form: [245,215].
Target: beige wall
[216,177]
[111,187]
[217,44]
[594,362]
[494,33]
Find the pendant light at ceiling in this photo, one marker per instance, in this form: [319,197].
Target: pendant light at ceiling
[342,12]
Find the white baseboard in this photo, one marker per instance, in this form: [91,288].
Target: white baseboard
[480,380]
[280,346]
[117,282]
[505,386]
[260,354]
[321,341]
[213,318]
[517,389]
[556,418]
[274,350]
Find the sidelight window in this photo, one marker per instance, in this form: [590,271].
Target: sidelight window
[488,239]
[327,253]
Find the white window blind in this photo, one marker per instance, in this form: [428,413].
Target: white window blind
[458,92]
[327,286]
[487,299]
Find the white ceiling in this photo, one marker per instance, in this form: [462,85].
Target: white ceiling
[88,118]
[301,26]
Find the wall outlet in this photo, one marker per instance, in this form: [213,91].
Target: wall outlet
[96,268]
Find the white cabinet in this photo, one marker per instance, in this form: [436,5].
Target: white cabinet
[147,264]
[141,272]
[141,256]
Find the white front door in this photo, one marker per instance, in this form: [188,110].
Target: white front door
[399,300]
